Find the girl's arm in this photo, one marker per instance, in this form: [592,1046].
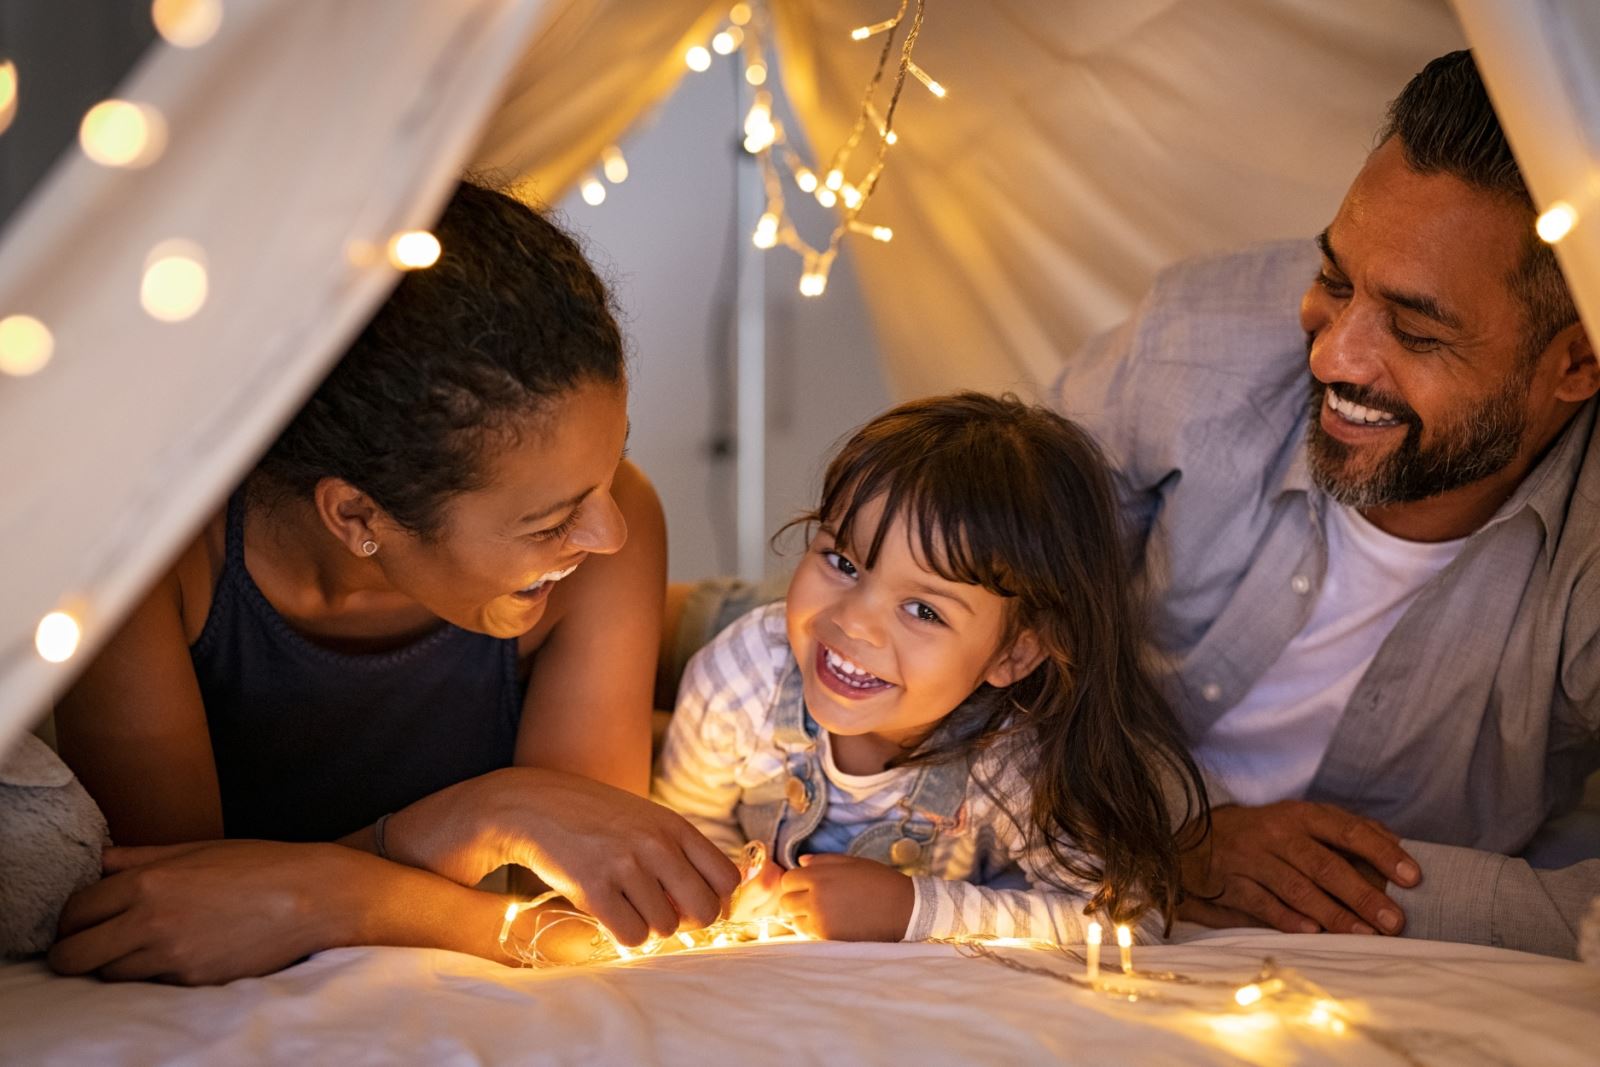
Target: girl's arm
[721,707]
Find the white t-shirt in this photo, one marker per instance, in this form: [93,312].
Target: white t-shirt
[1268,746]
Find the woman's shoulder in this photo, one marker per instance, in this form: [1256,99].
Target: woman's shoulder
[194,574]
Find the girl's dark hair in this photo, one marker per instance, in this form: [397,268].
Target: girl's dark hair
[510,318]
[1018,500]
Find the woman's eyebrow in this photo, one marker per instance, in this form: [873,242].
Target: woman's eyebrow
[562,505]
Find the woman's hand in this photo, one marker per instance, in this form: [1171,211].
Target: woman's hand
[846,898]
[638,867]
[206,912]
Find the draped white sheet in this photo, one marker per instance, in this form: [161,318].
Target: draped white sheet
[815,1003]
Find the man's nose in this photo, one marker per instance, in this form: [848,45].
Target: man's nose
[1347,347]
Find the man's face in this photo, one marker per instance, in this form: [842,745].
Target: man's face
[1420,379]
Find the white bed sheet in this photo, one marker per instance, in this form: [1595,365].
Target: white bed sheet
[809,1003]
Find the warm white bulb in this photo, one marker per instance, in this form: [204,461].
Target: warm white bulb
[1556,222]
[120,133]
[57,636]
[414,250]
[860,33]
[614,165]
[827,197]
[1093,933]
[766,234]
[186,23]
[1124,936]
[1247,995]
[25,345]
[806,180]
[174,285]
[756,74]
[8,93]
[594,194]
[724,43]
[698,58]
[835,179]
[891,137]
[739,14]
[882,233]
[851,196]
[813,283]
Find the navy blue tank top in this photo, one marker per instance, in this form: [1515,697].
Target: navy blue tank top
[312,744]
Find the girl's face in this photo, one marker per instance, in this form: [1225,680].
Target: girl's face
[546,507]
[891,651]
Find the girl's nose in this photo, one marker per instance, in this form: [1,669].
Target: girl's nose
[857,619]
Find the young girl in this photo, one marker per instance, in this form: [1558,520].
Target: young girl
[953,687]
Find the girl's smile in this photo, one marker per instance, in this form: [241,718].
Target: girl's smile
[845,677]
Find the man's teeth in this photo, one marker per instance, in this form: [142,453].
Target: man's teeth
[851,673]
[1358,412]
[553,576]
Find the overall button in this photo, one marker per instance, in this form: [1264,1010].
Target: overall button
[1300,584]
[1212,692]
[798,794]
[905,852]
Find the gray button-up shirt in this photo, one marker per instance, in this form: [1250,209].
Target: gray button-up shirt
[1479,717]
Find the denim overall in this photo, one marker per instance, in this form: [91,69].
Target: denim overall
[784,810]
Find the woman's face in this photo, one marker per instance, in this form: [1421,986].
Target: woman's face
[546,507]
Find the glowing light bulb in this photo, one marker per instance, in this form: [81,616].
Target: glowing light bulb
[756,73]
[891,138]
[727,41]
[1125,945]
[8,93]
[119,133]
[1556,222]
[593,193]
[766,234]
[686,941]
[25,345]
[806,179]
[511,911]
[739,14]
[57,637]
[835,179]
[174,285]
[851,196]
[827,197]
[813,283]
[1247,995]
[414,250]
[922,76]
[698,58]
[882,233]
[186,23]
[720,941]
[614,165]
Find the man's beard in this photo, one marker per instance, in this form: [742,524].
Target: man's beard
[1483,441]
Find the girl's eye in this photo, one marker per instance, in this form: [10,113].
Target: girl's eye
[840,564]
[556,532]
[921,612]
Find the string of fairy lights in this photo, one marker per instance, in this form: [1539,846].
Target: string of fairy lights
[852,172]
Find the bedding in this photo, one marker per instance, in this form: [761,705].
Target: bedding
[1408,1001]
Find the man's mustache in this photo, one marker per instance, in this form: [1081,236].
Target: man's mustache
[1365,396]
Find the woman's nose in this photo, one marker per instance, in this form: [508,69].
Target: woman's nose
[601,527]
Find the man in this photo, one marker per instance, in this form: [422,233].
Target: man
[1376,585]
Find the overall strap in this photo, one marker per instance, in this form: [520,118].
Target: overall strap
[932,804]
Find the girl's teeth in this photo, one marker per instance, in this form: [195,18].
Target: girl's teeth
[849,671]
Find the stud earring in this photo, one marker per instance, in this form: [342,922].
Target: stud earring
[369,547]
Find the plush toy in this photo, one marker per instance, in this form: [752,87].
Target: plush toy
[51,836]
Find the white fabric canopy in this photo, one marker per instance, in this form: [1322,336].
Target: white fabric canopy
[820,1003]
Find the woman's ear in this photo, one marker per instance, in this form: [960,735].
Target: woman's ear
[1017,662]
[349,514]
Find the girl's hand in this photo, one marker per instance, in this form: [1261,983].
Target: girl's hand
[208,912]
[757,897]
[846,898]
[635,865]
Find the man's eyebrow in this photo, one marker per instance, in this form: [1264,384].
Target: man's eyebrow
[1421,303]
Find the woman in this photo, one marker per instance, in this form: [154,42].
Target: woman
[425,627]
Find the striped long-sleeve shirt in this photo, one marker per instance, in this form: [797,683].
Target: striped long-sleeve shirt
[721,742]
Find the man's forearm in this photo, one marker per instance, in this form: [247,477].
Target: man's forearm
[1484,898]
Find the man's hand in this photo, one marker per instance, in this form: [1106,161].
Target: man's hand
[846,898]
[1298,866]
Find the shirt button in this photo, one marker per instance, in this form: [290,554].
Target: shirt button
[1212,692]
[1301,584]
